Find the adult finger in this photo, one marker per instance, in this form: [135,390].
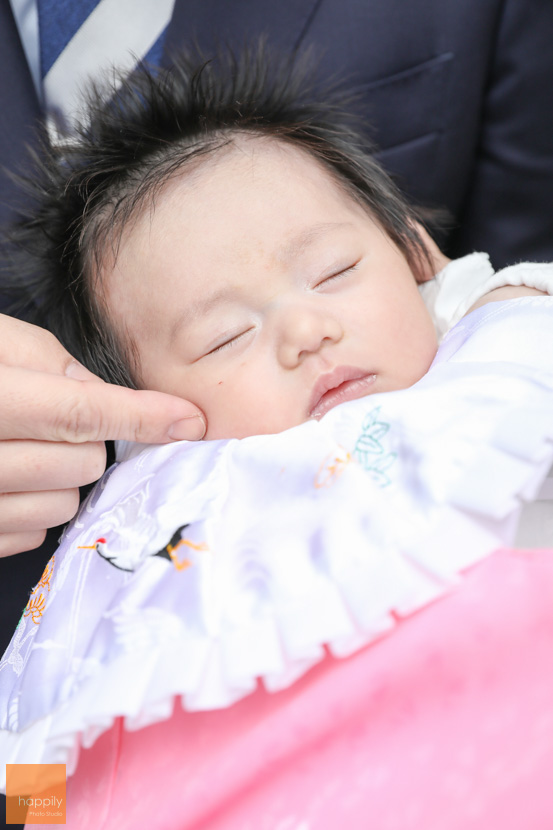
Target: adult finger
[45,465]
[27,346]
[49,407]
[11,543]
[23,512]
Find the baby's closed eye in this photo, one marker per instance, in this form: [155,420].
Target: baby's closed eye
[229,341]
[336,275]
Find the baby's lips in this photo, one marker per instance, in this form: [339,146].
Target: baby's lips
[192,428]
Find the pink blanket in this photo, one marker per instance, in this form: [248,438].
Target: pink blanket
[446,725]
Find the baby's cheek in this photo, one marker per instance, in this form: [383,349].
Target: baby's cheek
[230,411]
[251,399]
[423,356]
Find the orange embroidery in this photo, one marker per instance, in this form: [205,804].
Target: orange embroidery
[331,468]
[99,541]
[180,565]
[37,600]
[47,575]
[35,607]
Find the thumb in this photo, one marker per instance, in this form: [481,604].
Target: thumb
[51,407]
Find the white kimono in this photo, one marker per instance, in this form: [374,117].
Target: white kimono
[196,569]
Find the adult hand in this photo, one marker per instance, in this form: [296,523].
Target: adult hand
[54,419]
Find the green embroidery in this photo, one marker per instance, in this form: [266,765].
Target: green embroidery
[370,453]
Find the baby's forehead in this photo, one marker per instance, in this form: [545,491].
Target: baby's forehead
[257,166]
[240,150]
[251,204]
[239,167]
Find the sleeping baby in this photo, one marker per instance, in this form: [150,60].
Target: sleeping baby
[220,232]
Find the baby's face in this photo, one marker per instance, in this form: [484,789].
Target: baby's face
[263,293]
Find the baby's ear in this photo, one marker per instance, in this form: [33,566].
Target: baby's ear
[434,262]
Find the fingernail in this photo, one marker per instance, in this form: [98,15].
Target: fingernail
[77,371]
[192,428]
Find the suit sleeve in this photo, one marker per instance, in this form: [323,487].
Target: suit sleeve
[19,113]
[509,207]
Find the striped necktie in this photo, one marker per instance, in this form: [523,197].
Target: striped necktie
[81,40]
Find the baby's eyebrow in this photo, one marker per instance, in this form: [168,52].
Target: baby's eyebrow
[295,246]
[201,307]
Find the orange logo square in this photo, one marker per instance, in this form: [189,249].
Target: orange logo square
[35,793]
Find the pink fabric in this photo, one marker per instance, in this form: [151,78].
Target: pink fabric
[445,724]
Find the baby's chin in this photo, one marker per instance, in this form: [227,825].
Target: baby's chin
[222,431]
[346,393]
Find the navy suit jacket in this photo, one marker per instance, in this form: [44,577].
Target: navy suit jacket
[459,94]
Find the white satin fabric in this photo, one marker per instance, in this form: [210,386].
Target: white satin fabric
[199,570]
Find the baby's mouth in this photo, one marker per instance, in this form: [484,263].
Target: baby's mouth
[346,383]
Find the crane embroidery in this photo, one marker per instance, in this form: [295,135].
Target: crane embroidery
[129,560]
[177,541]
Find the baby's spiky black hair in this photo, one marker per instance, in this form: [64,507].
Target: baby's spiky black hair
[86,192]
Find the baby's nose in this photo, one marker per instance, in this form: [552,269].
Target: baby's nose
[304,331]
